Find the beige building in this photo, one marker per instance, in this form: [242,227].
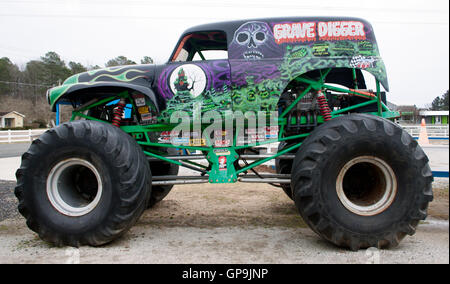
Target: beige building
[11,119]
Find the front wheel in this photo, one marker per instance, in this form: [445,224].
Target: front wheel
[360,181]
[83,183]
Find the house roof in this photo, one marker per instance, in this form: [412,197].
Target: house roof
[402,108]
[434,113]
[8,112]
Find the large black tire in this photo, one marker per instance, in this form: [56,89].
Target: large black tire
[159,192]
[83,183]
[344,178]
[284,167]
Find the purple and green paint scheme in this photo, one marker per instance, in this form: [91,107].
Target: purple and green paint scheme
[264,56]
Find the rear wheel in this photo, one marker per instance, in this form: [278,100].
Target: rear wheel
[83,183]
[361,181]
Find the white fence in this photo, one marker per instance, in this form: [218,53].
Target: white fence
[11,136]
[433,131]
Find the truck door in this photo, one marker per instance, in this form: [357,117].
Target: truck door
[198,75]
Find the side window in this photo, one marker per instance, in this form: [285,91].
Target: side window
[210,55]
[182,55]
[202,46]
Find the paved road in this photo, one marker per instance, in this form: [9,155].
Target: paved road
[13,149]
[439,157]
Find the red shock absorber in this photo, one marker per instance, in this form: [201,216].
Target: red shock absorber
[323,106]
[118,113]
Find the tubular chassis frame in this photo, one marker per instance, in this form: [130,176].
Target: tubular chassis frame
[212,173]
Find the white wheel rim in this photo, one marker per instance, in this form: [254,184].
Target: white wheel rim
[374,198]
[64,192]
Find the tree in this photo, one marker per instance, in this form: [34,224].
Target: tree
[440,103]
[76,68]
[9,73]
[4,76]
[55,69]
[436,104]
[118,61]
[147,60]
[36,78]
[93,67]
[35,72]
[445,101]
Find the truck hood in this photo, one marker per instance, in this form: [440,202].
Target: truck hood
[128,73]
[140,75]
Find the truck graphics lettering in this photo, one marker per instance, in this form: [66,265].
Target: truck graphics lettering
[311,31]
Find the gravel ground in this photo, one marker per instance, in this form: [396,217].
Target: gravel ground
[8,201]
[222,224]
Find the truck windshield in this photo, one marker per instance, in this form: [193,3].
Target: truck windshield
[202,46]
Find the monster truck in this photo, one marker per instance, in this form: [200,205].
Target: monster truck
[229,89]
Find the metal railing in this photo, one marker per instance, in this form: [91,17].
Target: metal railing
[12,136]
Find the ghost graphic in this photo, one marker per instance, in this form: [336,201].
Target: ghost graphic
[252,41]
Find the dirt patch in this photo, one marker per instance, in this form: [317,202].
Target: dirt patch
[225,205]
[265,169]
[241,204]
[439,207]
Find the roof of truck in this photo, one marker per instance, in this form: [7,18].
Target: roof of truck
[233,25]
[342,42]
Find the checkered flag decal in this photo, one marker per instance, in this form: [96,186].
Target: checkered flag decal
[356,61]
[360,61]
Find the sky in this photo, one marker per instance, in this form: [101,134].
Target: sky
[413,35]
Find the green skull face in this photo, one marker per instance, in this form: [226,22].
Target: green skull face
[251,95]
[264,93]
[237,99]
